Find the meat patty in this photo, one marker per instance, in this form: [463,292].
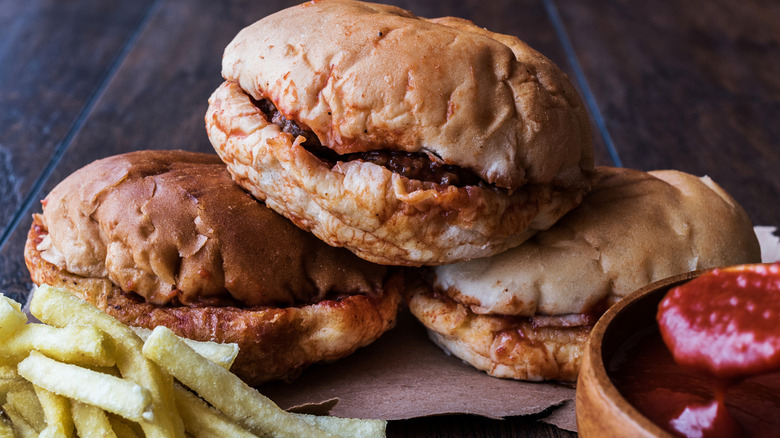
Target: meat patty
[416,166]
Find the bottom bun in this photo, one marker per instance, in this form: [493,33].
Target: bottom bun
[502,346]
[274,343]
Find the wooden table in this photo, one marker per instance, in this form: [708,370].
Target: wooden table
[691,85]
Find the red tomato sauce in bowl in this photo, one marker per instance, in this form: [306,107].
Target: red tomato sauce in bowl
[710,367]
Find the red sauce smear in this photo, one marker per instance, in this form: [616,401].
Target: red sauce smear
[725,322]
[722,330]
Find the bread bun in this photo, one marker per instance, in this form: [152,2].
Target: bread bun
[166,237]
[409,141]
[632,229]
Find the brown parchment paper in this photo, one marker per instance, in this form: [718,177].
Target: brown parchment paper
[404,375]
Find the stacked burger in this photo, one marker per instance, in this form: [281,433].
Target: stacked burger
[454,164]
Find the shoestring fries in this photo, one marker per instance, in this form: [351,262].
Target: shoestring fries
[82,372]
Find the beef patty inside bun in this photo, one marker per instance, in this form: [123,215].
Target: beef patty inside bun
[409,141]
[527,313]
[167,238]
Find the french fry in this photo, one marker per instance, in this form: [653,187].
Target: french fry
[6,430]
[11,316]
[91,421]
[113,394]
[56,411]
[8,372]
[222,354]
[111,371]
[121,427]
[81,345]
[347,427]
[203,421]
[20,426]
[9,380]
[59,308]
[223,390]
[9,385]
[25,403]
[143,401]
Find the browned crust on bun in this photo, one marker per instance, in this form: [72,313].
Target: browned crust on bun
[173,227]
[314,90]
[502,346]
[274,343]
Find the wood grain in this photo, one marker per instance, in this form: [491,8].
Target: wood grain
[53,57]
[689,85]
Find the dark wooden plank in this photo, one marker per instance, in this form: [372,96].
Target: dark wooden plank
[474,427]
[158,98]
[53,57]
[691,85]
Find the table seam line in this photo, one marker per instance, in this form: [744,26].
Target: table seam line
[590,99]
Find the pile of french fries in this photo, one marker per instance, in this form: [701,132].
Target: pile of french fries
[83,373]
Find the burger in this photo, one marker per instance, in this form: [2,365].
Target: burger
[527,313]
[408,141]
[167,238]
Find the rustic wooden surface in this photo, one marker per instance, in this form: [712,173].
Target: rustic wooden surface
[689,85]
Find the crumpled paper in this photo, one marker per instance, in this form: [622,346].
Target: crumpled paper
[404,375]
[770,243]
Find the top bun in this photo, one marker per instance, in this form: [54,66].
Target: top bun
[365,76]
[173,227]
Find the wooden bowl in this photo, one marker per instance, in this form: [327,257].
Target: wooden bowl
[601,410]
